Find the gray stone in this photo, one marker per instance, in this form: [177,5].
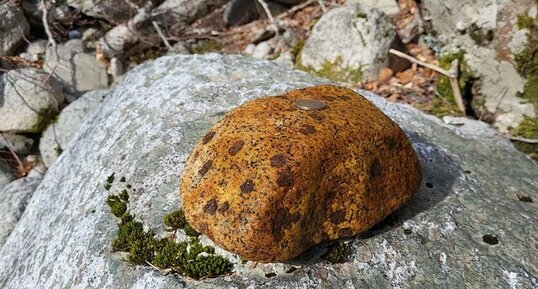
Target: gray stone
[18,143]
[389,7]
[262,50]
[179,13]
[147,127]
[5,174]
[35,50]
[13,200]
[112,10]
[285,58]
[27,96]
[496,95]
[13,28]
[59,134]
[239,12]
[76,70]
[353,40]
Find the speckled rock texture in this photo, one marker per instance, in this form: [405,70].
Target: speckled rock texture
[13,200]
[13,28]
[149,124]
[272,178]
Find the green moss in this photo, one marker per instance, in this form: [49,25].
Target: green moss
[122,179]
[58,150]
[333,71]
[188,258]
[107,186]
[45,117]
[525,21]
[176,220]
[479,35]
[527,128]
[338,252]
[117,205]
[110,179]
[296,49]
[447,105]
[206,46]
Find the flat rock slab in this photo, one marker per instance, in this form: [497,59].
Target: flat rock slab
[465,226]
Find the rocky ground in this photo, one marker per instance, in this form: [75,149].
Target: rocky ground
[74,98]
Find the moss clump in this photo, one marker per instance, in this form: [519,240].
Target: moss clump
[206,46]
[338,252]
[58,150]
[188,258]
[333,71]
[45,117]
[479,35]
[296,49]
[447,105]
[176,220]
[107,186]
[527,128]
[122,179]
[110,179]
[524,21]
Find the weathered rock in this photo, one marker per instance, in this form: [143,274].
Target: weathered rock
[176,14]
[112,10]
[35,50]
[239,12]
[349,43]
[18,143]
[299,175]
[145,130]
[59,134]
[285,58]
[76,70]
[28,100]
[13,28]
[13,200]
[262,50]
[389,7]
[5,174]
[488,34]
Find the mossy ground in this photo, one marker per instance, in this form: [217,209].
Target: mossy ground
[446,103]
[45,117]
[338,252]
[189,258]
[206,46]
[332,70]
[527,65]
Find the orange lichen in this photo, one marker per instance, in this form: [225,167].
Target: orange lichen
[271,180]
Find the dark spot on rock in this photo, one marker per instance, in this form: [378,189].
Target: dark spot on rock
[490,239]
[278,160]
[224,207]
[467,171]
[337,217]
[429,185]
[281,97]
[285,178]
[209,136]
[345,232]
[291,270]
[205,168]
[211,207]
[375,168]
[392,143]
[344,97]
[307,129]
[316,116]
[269,275]
[525,198]
[328,98]
[247,187]
[236,147]
[408,231]
[283,220]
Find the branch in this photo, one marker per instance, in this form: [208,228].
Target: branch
[269,15]
[522,139]
[13,153]
[452,75]
[160,32]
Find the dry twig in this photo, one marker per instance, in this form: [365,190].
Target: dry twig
[452,74]
[160,32]
[522,139]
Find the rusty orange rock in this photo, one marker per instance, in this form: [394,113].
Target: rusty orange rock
[280,174]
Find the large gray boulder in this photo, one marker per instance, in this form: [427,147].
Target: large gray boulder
[29,98]
[13,200]
[57,136]
[464,227]
[349,43]
[491,39]
[13,28]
